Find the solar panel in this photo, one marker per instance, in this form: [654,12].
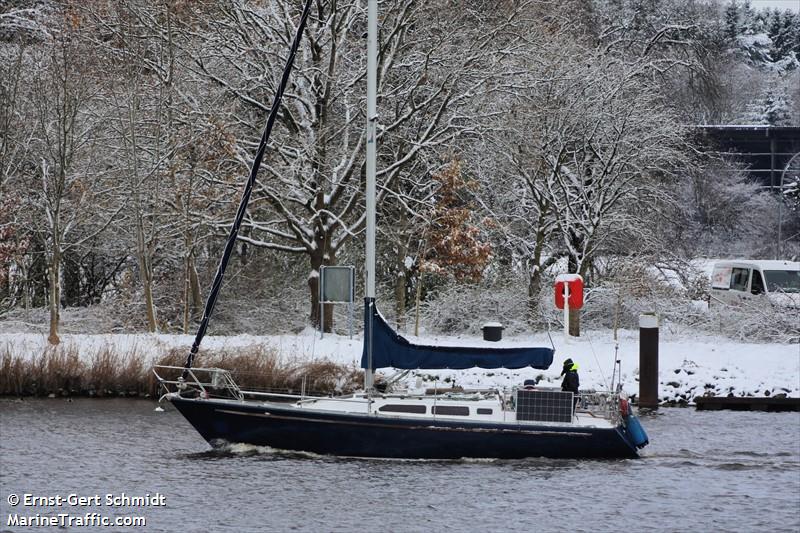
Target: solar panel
[544,406]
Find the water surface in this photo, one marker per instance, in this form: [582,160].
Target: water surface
[704,471]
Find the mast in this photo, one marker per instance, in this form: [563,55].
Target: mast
[372,127]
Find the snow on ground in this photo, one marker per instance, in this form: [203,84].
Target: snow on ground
[689,364]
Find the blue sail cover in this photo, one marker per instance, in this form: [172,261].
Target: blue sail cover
[390,349]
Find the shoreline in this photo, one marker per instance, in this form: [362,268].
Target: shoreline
[669,404]
[70,370]
[102,365]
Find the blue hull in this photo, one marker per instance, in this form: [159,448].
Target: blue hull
[355,435]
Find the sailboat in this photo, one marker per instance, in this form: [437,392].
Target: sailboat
[477,424]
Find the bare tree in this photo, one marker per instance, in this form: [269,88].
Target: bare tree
[140,96]
[15,136]
[67,196]
[166,142]
[588,134]
[309,198]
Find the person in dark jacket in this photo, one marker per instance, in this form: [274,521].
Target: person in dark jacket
[571,381]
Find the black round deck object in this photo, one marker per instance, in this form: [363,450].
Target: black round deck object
[492,331]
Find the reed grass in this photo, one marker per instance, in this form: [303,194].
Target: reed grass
[112,371]
[258,368]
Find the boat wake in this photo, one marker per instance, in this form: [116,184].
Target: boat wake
[223,449]
[240,448]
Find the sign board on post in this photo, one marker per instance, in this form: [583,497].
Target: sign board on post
[336,285]
[569,295]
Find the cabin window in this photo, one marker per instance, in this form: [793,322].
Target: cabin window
[783,280]
[484,411]
[757,285]
[396,408]
[721,278]
[739,277]
[452,410]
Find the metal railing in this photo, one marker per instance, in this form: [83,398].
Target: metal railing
[603,404]
[208,382]
[219,383]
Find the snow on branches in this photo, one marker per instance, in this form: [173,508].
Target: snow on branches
[13,245]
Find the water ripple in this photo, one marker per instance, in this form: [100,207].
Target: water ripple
[728,471]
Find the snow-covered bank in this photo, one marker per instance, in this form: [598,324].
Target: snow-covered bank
[690,365]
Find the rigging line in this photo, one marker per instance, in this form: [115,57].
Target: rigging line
[262,147]
[616,341]
[546,321]
[597,361]
[550,336]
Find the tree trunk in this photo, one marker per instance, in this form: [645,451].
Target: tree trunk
[5,281]
[55,294]
[186,284]
[191,288]
[574,322]
[150,308]
[572,264]
[319,258]
[417,298]
[575,314]
[535,277]
[194,283]
[72,281]
[186,297]
[401,279]
[400,297]
[145,271]
[191,292]
[243,251]
[534,288]
[26,284]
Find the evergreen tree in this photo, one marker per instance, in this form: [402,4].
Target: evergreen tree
[796,35]
[783,29]
[790,31]
[747,22]
[777,34]
[760,21]
[776,110]
[732,17]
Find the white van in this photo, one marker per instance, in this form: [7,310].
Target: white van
[738,281]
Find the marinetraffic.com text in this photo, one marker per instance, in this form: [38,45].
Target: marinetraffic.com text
[71,510]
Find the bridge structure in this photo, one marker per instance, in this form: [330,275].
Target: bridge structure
[764,150]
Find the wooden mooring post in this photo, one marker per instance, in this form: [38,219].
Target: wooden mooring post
[648,360]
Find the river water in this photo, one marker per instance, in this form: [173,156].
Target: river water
[704,471]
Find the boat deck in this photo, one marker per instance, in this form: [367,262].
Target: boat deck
[476,410]
[517,407]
